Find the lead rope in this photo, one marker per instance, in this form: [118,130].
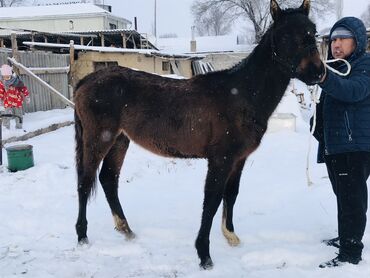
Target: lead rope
[315,100]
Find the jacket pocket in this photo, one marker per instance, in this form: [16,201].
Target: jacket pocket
[348,126]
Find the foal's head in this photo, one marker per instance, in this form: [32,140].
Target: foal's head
[293,43]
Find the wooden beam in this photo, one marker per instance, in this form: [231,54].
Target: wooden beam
[15,54]
[71,52]
[133,41]
[47,70]
[102,40]
[124,45]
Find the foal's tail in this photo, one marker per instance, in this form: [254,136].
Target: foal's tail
[79,147]
[87,182]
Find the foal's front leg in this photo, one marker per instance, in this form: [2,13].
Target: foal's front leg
[218,172]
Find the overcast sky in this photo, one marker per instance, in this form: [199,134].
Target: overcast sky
[174,16]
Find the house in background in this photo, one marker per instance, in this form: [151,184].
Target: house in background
[220,52]
[73,17]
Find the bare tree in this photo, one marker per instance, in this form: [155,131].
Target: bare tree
[211,20]
[10,3]
[255,11]
[366,16]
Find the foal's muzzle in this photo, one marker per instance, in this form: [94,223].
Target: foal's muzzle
[311,69]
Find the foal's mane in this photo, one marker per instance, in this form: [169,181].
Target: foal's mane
[265,42]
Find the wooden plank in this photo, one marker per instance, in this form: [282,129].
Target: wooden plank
[71,52]
[47,70]
[13,38]
[176,70]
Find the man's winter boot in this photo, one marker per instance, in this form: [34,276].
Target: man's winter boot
[350,251]
[340,260]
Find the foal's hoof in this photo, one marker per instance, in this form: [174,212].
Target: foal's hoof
[83,241]
[207,264]
[231,237]
[130,236]
[233,240]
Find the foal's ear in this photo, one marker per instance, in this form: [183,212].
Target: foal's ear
[275,10]
[306,6]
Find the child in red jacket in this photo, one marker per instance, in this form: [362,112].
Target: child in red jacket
[12,94]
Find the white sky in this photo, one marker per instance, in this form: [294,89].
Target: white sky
[174,16]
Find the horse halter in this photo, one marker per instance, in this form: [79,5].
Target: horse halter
[290,66]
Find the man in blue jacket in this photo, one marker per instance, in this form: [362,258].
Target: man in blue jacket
[344,135]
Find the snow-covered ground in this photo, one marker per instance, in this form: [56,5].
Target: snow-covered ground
[279,219]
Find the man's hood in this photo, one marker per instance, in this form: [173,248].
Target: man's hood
[357,27]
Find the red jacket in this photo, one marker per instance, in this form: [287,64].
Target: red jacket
[14,96]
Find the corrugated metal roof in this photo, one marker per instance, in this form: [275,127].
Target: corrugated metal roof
[111,31]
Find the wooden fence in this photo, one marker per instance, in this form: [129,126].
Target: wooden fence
[50,67]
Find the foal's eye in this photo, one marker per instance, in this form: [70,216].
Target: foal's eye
[310,33]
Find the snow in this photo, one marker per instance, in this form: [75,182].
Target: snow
[51,11]
[279,219]
[204,44]
[38,120]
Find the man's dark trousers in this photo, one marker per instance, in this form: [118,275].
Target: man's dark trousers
[348,173]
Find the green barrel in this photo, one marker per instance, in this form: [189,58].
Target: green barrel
[20,157]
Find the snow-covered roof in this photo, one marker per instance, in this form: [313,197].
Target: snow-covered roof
[204,44]
[72,9]
[107,49]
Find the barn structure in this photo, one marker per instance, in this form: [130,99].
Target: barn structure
[63,43]
[72,17]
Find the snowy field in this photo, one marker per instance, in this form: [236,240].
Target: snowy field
[279,219]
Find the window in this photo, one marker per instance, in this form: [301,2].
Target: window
[165,66]
[112,26]
[103,65]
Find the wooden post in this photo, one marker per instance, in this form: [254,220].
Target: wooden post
[71,52]
[1,42]
[81,40]
[102,40]
[32,47]
[124,45]
[133,41]
[15,54]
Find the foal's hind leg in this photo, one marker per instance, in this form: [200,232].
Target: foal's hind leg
[109,176]
[86,182]
[218,173]
[230,194]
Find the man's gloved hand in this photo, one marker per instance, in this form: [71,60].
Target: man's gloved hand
[28,100]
